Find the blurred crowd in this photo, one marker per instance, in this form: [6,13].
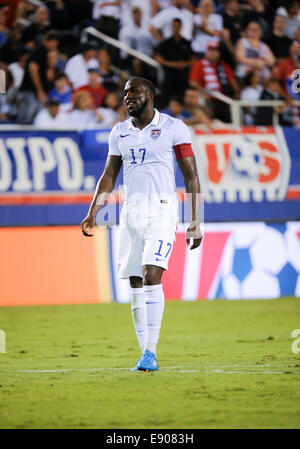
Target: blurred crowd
[57,75]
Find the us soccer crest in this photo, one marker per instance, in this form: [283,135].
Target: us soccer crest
[155,133]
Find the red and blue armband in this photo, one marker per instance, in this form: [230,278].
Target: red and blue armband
[183,150]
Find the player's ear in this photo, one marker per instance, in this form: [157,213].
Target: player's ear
[151,95]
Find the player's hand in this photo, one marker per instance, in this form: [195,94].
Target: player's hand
[87,225]
[194,232]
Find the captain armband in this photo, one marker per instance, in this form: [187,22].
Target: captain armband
[183,150]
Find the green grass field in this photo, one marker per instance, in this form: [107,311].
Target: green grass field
[223,364]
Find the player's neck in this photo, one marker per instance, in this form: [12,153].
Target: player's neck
[144,119]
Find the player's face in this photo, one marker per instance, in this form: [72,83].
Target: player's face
[136,97]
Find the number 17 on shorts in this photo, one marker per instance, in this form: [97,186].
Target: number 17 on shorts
[163,251]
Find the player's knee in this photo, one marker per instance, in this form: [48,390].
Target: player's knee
[151,276]
[148,278]
[136,282]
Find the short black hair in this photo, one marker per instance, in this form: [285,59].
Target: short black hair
[52,102]
[177,20]
[193,88]
[88,46]
[150,86]
[51,35]
[23,50]
[60,75]
[176,98]
[247,78]
[252,20]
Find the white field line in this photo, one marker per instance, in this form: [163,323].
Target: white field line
[218,369]
[237,365]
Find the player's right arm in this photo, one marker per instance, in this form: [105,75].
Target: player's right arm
[104,188]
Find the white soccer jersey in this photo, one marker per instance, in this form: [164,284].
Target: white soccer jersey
[148,155]
[149,215]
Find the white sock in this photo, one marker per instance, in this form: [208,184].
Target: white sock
[138,309]
[155,303]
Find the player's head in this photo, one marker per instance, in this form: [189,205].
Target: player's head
[138,95]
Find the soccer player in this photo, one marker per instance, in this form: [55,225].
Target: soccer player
[147,144]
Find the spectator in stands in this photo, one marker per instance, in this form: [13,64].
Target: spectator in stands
[176,57]
[264,115]
[79,11]
[23,11]
[193,111]
[59,14]
[256,11]
[251,92]
[161,23]
[297,35]
[175,108]
[84,112]
[11,8]
[77,67]
[253,54]
[107,16]
[112,111]
[213,74]
[293,20]
[62,92]
[140,69]
[17,68]
[231,32]
[109,78]
[3,27]
[158,5]
[52,68]
[278,42]
[36,85]
[51,117]
[211,122]
[9,51]
[4,108]
[284,72]
[208,27]
[147,8]
[33,34]
[7,106]
[135,35]
[95,88]
[191,100]
[285,68]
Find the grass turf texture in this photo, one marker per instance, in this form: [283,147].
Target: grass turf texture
[233,359]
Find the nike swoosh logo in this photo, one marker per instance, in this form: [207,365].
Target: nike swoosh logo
[125,135]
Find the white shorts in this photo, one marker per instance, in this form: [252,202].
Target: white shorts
[147,244]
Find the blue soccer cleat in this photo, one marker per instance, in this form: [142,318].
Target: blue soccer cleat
[136,367]
[148,362]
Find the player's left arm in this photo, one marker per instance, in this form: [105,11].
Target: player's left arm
[192,185]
